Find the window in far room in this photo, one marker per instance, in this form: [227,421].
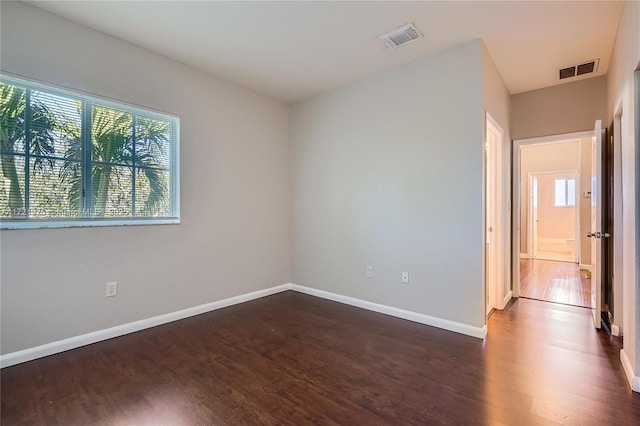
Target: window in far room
[565,192]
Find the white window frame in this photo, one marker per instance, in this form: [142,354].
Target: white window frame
[566,192]
[88,221]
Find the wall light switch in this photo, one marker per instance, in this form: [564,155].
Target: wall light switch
[405,277]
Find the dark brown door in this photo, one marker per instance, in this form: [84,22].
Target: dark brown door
[607,220]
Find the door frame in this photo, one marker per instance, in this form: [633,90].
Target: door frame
[531,246]
[618,246]
[576,230]
[517,191]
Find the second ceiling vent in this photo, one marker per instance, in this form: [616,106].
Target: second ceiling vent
[576,70]
[405,34]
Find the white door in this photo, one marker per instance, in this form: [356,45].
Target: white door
[596,233]
[490,264]
[493,217]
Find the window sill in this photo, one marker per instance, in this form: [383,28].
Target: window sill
[44,224]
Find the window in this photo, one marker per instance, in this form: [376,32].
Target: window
[565,192]
[73,160]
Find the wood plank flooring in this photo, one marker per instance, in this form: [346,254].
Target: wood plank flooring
[558,282]
[294,359]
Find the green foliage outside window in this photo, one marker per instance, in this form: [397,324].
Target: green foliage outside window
[70,157]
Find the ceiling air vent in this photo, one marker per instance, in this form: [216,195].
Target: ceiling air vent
[586,68]
[400,36]
[581,69]
[567,72]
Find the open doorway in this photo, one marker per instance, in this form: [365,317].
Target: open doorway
[552,181]
[553,219]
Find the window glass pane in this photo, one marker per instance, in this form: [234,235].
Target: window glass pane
[152,193]
[111,135]
[571,192]
[12,114]
[560,195]
[55,124]
[71,179]
[53,193]
[12,186]
[112,191]
[152,142]
[48,173]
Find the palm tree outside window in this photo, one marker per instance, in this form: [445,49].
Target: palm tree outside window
[69,159]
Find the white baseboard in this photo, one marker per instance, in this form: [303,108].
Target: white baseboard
[634,381]
[469,330]
[506,300]
[554,240]
[29,354]
[47,349]
[616,330]
[585,267]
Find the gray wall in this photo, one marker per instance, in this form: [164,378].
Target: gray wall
[387,172]
[234,237]
[567,108]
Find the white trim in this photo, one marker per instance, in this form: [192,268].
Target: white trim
[525,256]
[515,218]
[506,300]
[46,224]
[585,267]
[52,348]
[634,381]
[29,354]
[564,137]
[469,330]
[531,246]
[616,330]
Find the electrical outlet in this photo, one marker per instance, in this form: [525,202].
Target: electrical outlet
[405,277]
[369,271]
[112,289]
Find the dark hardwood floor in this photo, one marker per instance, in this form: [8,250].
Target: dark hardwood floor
[295,359]
[558,282]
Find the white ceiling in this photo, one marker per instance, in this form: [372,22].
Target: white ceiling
[295,50]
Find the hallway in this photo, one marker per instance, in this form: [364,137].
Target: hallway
[558,282]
